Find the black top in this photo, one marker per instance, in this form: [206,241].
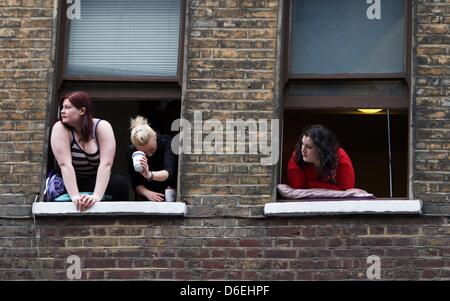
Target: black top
[162,159]
[84,164]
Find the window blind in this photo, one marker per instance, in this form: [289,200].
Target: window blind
[125,38]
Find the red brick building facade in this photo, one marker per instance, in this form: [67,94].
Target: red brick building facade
[234,63]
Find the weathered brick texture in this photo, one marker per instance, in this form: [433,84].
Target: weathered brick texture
[431,106]
[230,72]
[239,249]
[25,72]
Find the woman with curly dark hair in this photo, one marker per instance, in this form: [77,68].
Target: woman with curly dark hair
[319,162]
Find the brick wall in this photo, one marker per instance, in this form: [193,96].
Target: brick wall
[432,106]
[25,72]
[231,71]
[233,248]
[231,74]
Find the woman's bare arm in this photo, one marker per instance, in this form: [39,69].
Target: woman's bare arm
[60,144]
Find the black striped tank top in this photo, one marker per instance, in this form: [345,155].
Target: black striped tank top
[85,164]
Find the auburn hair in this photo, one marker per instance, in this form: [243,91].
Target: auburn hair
[80,100]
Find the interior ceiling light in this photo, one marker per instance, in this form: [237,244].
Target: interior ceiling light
[370,111]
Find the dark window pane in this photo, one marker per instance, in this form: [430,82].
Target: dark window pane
[330,36]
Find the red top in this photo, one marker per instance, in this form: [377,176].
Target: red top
[307,178]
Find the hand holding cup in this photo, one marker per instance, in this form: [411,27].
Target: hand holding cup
[145,168]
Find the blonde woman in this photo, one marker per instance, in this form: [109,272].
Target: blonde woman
[159,164]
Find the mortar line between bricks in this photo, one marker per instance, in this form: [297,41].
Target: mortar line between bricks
[235,90]
[229,174]
[435,182]
[33,69]
[233,49]
[434,140]
[251,71]
[101,237]
[433,151]
[218,100]
[389,236]
[95,248]
[21,90]
[235,19]
[235,60]
[221,163]
[228,101]
[228,80]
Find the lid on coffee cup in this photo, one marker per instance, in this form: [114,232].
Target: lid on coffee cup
[140,153]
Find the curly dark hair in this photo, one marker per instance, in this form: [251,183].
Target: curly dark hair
[328,146]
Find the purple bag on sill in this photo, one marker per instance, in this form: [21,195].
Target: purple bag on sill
[54,186]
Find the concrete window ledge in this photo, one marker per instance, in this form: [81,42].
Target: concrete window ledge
[343,207]
[111,208]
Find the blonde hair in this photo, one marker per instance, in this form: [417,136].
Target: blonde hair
[141,132]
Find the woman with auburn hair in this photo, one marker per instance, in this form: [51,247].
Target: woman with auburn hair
[85,148]
[159,165]
[319,162]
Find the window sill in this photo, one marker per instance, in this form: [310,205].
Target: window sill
[343,207]
[111,208]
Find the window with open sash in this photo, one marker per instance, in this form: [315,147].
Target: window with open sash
[341,56]
[127,55]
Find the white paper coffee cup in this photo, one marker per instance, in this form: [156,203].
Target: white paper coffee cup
[170,194]
[136,156]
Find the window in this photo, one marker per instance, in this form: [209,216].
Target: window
[364,138]
[124,38]
[347,37]
[122,49]
[127,55]
[341,56]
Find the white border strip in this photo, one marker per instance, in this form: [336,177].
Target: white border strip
[301,208]
[111,208]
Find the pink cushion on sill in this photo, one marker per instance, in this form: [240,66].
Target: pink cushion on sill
[321,193]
